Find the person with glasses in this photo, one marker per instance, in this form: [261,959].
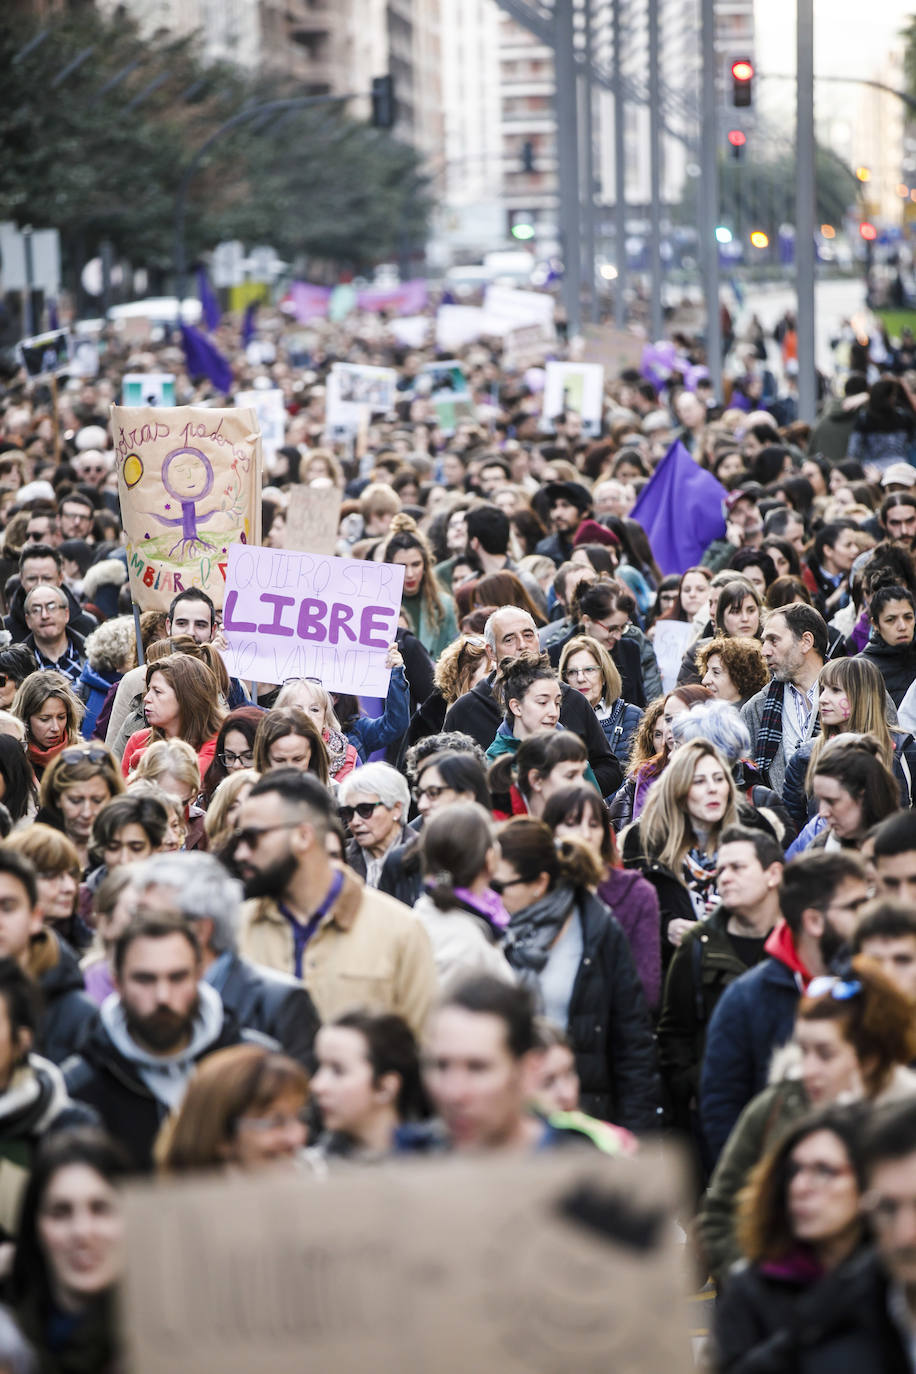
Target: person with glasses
[307,916]
[602,611]
[40,565]
[854,1038]
[567,949]
[586,665]
[803,1235]
[75,787]
[56,647]
[234,748]
[374,803]
[245,1109]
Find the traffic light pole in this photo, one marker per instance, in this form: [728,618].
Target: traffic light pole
[709,200]
[805,193]
[568,162]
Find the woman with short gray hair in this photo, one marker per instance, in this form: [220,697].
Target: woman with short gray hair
[374,802]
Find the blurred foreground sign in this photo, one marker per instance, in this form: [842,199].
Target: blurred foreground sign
[537,1266]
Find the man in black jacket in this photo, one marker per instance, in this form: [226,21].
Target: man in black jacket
[199,888]
[135,1066]
[510,632]
[714,954]
[40,565]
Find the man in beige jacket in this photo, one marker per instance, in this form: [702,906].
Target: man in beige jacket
[351,946]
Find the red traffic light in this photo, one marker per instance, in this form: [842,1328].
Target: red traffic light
[737,138]
[868,232]
[742,70]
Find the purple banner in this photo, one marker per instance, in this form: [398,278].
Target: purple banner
[308,302]
[303,615]
[408,298]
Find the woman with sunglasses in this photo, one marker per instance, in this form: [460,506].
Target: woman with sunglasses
[565,946]
[586,665]
[374,804]
[795,1305]
[234,748]
[854,1038]
[46,705]
[75,787]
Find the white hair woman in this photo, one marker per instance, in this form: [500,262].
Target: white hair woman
[373,803]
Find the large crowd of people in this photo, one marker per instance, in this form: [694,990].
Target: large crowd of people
[549,893]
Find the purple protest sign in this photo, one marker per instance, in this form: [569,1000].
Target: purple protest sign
[304,615]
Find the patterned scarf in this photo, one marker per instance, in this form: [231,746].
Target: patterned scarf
[769,736]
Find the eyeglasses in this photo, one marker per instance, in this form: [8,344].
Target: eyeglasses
[276,1121]
[593,671]
[230,760]
[363,809]
[47,608]
[250,835]
[613,631]
[499,887]
[434,793]
[287,680]
[82,753]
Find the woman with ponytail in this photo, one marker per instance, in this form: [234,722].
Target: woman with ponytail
[428,607]
[464,918]
[567,948]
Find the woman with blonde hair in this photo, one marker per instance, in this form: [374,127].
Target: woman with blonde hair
[851,700]
[429,609]
[173,765]
[653,743]
[57,872]
[676,839]
[51,714]
[586,665]
[244,1109]
[181,702]
[224,807]
[289,738]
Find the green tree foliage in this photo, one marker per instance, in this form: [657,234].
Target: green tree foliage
[99,153]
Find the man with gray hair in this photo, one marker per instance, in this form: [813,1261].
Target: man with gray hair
[508,633]
[374,802]
[56,647]
[197,886]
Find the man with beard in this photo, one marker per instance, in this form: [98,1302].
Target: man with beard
[351,945]
[897,518]
[783,715]
[565,505]
[819,897]
[136,1063]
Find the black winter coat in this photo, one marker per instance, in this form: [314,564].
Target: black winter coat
[402,871]
[69,1011]
[102,1078]
[609,1027]
[80,622]
[477,713]
[674,901]
[274,1003]
[838,1324]
[897,663]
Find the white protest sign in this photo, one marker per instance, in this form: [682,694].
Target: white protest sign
[670,639]
[84,357]
[353,390]
[410,330]
[457,325]
[293,614]
[518,307]
[312,518]
[578,387]
[270,409]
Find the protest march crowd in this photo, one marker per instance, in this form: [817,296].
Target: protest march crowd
[627,852]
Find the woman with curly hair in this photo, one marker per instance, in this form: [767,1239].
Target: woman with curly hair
[733,669]
[429,610]
[110,651]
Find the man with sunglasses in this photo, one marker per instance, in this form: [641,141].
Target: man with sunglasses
[350,945]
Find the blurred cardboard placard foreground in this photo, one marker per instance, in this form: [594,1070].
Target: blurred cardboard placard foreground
[427,1265]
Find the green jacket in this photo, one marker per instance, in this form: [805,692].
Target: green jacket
[433,639]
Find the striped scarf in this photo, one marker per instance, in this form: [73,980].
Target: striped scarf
[769,736]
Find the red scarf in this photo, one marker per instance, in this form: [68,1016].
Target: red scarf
[40,758]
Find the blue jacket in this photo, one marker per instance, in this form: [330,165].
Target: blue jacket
[367,734]
[620,727]
[93,688]
[754,1016]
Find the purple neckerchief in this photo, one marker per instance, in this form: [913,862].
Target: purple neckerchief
[303,933]
[488,903]
[799,1266]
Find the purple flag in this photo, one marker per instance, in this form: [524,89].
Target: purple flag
[306,301]
[207,297]
[53,318]
[680,509]
[204,358]
[248,329]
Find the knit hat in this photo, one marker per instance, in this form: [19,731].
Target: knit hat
[590,532]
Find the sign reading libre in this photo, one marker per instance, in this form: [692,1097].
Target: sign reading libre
[304,615]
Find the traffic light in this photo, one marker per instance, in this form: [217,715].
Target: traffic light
[737,138]
[742,77]
[528,156]
[382,102]
[521,225]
